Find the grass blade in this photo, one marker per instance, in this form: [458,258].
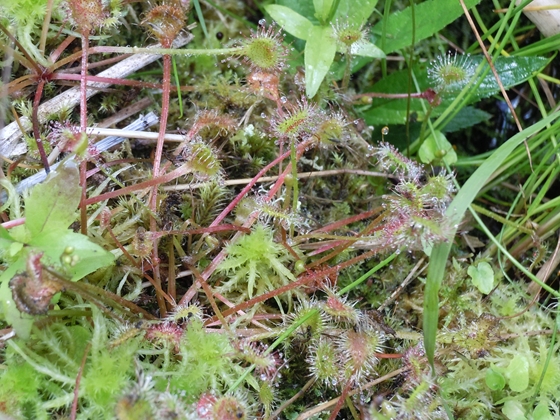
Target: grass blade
[456,210]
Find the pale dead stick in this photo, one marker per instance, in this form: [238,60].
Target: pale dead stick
[11,134]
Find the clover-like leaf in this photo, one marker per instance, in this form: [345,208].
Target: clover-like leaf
[366,49]
[291,21]
[354,12]
[51,206]
[85,255]
[322,9]
[320,50]
[49,210]
[517,373]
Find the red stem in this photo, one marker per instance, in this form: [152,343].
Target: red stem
[341,399]
[56,53]
[301,281]
[250,185]
[180,171]
[210,269]
[155,173]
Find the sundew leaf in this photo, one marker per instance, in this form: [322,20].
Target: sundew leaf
[51,206]
[320,50]
[512,71]
[291,21]
[399,24]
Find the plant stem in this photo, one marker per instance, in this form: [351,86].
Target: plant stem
[166,51]
[347,68]
[180,171]
[155,173]
[295,197]
[83,126]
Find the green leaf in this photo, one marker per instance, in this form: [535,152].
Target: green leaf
[320,50]
[482,277]
[431,16]
[322,9]
[354,13]
[88,255]
[5,239]
[292,22]
[455,212]
[465,118]
[51,206]
[542,412]
[302,7]
[512,71]
[517,373]
[20,322]
[49,210]
[494,379]
[437,148]
[366,49]
[513,410]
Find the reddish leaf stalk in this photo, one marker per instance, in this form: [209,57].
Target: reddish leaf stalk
[255,179]
[341,400]
[209,294]
[303,280]
[155,174]
[171,277]
[83,126]
[210,269]
[176,173]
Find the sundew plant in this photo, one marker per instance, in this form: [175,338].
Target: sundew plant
[328,209]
